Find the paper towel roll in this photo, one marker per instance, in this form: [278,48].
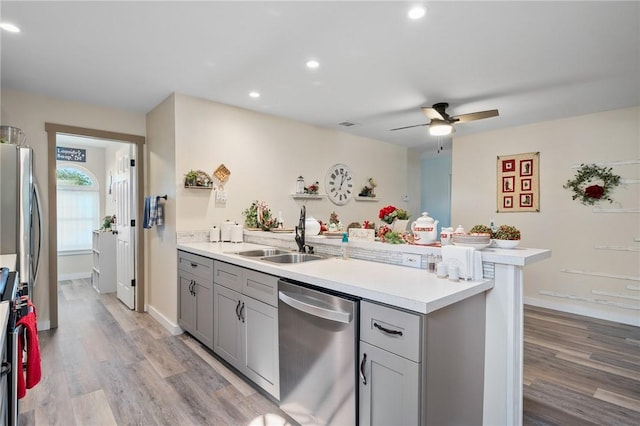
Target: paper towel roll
[214,235]
[236,234]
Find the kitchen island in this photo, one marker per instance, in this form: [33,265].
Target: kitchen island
[503,270]
[419,349]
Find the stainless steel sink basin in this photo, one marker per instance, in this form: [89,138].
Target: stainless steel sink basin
[262,252]
[293,258]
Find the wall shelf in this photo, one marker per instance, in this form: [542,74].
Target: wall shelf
[308,196]
[370,199]
[198,187]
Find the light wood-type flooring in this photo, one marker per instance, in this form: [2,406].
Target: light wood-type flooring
[579,370]
[108,365]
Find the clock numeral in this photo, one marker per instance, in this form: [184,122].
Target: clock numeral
[333,190]
[348,192]
[333,176]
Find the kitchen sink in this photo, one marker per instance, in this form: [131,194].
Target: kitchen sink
[262,252]
[293,258]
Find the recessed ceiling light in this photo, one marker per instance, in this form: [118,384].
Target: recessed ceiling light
[254,94]
[417,12]
[313,64]
[9,27]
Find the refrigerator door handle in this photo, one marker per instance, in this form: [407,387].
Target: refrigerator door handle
[36,202]
[307,306]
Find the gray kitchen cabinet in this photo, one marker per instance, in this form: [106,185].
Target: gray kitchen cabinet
[422,369]
[390,341]
[389,388]
[227,326]
[195,296]
[246,328]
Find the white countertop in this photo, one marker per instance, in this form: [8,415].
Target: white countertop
[408,288]
[8,261]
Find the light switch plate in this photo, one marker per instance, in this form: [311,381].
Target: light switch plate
[411,260]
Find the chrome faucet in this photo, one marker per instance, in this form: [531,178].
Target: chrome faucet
[302,247]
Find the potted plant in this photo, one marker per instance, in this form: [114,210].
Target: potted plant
[190,178]
[506,236]
[480,229]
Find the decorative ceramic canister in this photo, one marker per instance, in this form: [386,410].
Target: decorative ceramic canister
[425,230]
[446,234]
[311,226]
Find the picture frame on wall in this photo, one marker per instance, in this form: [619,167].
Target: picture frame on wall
[518,183]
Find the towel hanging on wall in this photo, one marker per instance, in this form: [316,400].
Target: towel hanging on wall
[153,211]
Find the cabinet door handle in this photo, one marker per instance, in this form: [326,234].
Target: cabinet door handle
[237,312]
[242,312]
[194,265]
[191,287]
[386,330]
[362,376]
[194,287]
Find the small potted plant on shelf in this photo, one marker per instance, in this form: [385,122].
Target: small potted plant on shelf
[506,236]
[190,178]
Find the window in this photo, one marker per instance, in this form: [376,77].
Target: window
[78,207]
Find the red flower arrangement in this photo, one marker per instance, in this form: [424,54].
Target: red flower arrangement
[594,191]
[389,213]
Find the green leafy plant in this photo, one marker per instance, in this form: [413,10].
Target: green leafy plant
[480,229]
[75,177]
[506,232]
[190,178]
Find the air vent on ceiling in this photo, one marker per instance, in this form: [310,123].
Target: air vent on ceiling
[347,124]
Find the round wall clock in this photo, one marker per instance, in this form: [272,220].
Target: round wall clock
[339,183]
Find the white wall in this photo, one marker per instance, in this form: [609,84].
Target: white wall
[265,155]
[30,112]
[160,250]
[571,230]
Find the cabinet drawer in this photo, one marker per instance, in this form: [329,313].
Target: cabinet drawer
[228,275]
[260,286]
[396,331]
[197,265]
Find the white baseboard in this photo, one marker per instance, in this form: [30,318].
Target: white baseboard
[74,276]
[632,319]
[174,329]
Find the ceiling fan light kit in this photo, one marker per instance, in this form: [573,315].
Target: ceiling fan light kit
[440,128]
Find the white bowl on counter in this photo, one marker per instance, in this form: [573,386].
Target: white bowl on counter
[506,244]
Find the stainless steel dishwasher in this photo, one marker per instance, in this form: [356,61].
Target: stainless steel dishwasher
[318,334]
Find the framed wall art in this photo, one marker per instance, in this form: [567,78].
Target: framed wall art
[518,183]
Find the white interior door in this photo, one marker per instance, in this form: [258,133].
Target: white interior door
[125,190]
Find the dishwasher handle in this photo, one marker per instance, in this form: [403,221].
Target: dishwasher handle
[319,311]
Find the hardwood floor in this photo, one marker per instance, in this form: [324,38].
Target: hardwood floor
[108,365]
[579,370]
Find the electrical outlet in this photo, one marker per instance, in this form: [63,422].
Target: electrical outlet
[411,260]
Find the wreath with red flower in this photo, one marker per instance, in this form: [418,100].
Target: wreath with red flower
[592,183]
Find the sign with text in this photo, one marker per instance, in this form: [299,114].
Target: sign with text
[78,155]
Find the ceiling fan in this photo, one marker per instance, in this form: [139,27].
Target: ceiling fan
[441,123]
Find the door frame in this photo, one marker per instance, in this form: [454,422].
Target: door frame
[52,130]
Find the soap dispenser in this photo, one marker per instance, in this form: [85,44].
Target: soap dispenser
[345,246]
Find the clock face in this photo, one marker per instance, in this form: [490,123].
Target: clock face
[339,184]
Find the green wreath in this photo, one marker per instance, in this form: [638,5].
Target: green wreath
[589,194]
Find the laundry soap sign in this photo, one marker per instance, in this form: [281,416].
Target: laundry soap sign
[518,185]
[77,155]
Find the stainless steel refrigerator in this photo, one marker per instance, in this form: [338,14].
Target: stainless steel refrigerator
[20,218]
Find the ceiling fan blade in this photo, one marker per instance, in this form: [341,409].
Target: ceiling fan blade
[463,118]
[432,113]
[408,127]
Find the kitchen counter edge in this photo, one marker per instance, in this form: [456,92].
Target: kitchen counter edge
[411,289]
